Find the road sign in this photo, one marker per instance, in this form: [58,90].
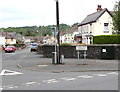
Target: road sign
[81,47]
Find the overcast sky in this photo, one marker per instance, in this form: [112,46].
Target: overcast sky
[17,13]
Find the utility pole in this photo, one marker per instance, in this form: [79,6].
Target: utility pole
[6,37]
[58,35]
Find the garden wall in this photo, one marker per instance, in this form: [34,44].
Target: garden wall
[98,51]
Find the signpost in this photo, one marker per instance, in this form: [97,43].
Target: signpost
[81,48]
[55,32]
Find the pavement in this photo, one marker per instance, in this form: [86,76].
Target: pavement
[68,65]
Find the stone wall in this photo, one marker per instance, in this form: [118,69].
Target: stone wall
[93,52]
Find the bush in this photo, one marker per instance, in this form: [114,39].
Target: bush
[65,44]
[106,39]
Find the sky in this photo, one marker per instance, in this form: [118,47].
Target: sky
[19,13]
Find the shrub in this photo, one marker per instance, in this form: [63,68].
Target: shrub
[65,44]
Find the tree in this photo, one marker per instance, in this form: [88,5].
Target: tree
[75,24]
[34,30]
[116,17]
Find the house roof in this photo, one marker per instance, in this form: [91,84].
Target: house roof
[7,35]
[70,30]
[15,35]
[34,37]
[94,17]
[11,35]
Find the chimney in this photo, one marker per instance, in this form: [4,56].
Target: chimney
[99,8]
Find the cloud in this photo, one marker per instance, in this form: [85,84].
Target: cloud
[43,12]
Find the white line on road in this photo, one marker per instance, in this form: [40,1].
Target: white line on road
[29,83]
[1,89]
[50,81]
[10,87]
[101,75]
[42,65]
[113,73]
[55,80]
[68,78]
[85,76]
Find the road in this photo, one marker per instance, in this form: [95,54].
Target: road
[14,78]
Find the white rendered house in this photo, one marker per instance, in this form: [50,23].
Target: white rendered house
[98,23]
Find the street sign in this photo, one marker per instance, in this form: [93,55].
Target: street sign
[55,33]
[81,47]
[104,50]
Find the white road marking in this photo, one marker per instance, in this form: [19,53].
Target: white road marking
[10,87]
[9,72]
[54,80]
[85,76]
[101,75]
[42,65]
[29,83]
[113,73]
[1,89]
[68,78]
[50,81]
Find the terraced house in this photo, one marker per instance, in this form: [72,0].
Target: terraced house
[98,23]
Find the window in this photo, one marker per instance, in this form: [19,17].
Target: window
[11,39]
[106,30]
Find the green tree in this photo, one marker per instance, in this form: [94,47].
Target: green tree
[64,27]
[116,17]
[34,30]
[75,24]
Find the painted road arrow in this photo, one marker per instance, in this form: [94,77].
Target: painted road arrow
[9,72]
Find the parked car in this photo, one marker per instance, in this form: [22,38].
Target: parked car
[33,47]
[10,49]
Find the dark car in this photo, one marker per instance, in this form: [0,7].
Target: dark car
[10,49]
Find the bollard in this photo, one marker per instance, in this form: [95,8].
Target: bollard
[62,59]
[54,59]
[85,54]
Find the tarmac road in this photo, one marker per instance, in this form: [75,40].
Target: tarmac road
[37,73]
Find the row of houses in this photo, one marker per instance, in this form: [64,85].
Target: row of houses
[98,23]
[9,37]
[13,38]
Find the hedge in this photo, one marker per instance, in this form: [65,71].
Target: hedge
[16,45]
[106,39]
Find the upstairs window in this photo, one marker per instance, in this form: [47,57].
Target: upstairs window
[106,29]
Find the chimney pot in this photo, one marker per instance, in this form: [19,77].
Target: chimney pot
[99,8]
